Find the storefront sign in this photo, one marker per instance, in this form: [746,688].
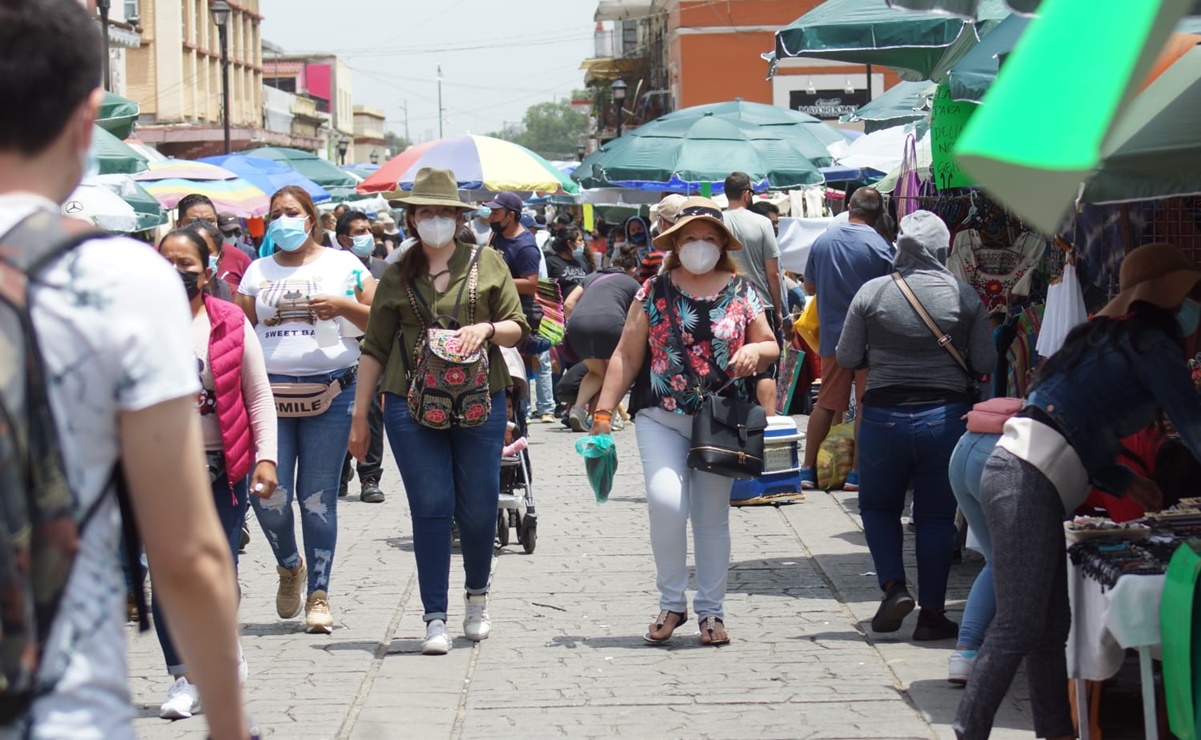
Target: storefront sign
[828,105]
[947,120]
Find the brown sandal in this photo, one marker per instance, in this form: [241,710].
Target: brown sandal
[708,626]
[661,621]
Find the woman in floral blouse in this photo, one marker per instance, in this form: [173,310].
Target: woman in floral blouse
[720,334]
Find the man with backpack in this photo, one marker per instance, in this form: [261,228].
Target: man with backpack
[98,394]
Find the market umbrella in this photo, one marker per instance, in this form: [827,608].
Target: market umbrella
[881,150]
[385,179]
[170,180]
[902,103]
[918,46]
[117,115]
[684,154]
[267,175]
[149,211]
[1076,61]
[1155,150]
[484,163]
[963,8]
[972,75]
[113,155]
[100,206]
[811,136]
[336,181]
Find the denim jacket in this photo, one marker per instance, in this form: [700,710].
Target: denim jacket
[1115,391]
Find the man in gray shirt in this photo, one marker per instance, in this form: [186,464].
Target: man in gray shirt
[759,262]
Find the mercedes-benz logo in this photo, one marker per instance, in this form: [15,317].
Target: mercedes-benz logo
[73,206]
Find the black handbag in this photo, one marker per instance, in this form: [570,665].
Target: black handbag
[727,433]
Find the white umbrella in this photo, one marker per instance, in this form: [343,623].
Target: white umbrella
[881,151]
[100,206]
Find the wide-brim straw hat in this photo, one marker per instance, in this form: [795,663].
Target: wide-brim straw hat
[1159,274]
[432,187]
[697,209]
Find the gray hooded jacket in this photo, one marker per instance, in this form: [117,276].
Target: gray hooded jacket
[884,334]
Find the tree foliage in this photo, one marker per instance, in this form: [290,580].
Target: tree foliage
[552,129]
[396,143]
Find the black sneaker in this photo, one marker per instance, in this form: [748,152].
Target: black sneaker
[371,493]
[895,606]
[343,489]
[933,625]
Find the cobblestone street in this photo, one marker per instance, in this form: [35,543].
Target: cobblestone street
[566,658]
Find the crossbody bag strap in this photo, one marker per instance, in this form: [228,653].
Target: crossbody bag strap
[413,301]
[944,339]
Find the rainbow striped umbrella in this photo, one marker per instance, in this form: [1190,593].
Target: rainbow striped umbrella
[485,163]
[170,180]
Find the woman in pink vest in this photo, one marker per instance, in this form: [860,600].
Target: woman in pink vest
[237,415]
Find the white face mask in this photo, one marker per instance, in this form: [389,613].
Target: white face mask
[438,232]
[699,257]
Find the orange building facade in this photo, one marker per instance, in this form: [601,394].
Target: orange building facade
[676,54]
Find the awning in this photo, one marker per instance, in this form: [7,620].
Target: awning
[622,10]
[605,71]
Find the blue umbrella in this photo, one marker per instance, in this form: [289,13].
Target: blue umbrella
[268,175]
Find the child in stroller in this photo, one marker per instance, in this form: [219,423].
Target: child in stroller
[516,508]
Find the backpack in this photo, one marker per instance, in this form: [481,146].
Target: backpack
[447,388]
[40,531]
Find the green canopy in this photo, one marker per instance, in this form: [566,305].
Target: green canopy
[1073,63]
[117,115]
[962,8]
[323,172]
[810,135]
[971,77]
[1155,150]
[114,155]
[902,103]
[681,154]
[919,46]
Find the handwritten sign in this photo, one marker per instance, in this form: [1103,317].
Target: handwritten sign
[589,218]
[947,120]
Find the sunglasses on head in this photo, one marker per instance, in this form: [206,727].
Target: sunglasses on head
[701,211]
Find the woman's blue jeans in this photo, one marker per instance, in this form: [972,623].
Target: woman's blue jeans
[897,446]
[451,474]
[311,452]
[231,511]
[966,469]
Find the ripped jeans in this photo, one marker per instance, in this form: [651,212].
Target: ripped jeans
[311,451]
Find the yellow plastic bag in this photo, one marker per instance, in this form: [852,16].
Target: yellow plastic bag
[836,456]
[807,325]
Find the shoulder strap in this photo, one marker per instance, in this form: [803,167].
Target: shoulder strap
[944,339]
[37,240]
[470,281]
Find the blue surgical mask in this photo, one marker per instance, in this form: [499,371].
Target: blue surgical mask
[213,260]
[1188,316]
[362,245]
[289,232]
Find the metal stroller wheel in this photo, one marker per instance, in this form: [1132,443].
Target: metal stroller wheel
[527,533]
[502,529]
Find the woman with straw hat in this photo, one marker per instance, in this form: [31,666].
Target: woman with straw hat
[1113,377]
[704,327]
[450,471]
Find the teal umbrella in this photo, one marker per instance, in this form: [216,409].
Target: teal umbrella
[1154,151]
[810,135]
[919,46]
[971,77]
[117,115]
[683,154]
[902,103]
[962,8]
[114,155]
[323,172]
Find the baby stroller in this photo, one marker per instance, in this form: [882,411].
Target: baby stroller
[516,510]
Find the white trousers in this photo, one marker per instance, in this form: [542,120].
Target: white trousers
[675,494]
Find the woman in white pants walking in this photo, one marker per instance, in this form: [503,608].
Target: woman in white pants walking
[703,325]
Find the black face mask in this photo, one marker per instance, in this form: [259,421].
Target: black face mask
[498,227]
[191,282]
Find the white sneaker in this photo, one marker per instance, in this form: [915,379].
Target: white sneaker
[476,625]
[959,666]
[183,700]
[436,640]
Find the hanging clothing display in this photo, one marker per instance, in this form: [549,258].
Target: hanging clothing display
[997,274]
[1065,310]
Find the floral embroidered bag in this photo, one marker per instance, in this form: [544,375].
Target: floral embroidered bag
[447,387]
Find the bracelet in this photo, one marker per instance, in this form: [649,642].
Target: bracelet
[604,416]
[493,328]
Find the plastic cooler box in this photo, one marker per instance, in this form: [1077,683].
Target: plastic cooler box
[781,464]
